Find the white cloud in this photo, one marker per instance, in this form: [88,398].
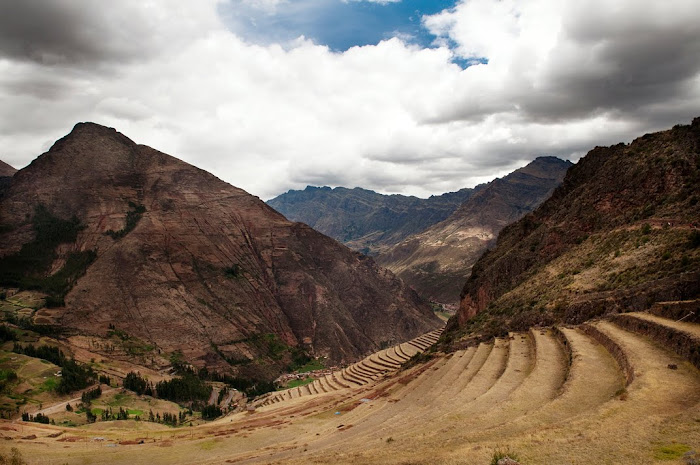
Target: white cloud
[560,79]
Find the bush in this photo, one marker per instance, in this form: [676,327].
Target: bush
[499,454]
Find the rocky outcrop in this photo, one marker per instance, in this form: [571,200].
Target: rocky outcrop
[365,220]
[436,262]
[189,263]
[619,233]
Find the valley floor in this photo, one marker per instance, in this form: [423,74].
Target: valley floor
[600,393]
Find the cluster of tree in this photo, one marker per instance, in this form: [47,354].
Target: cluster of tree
[88,396]
[27,324]
[186,388]
[211,412]
[141,386]
[104,379]
[6,334]
[89,416]
[169,418]
[38,418]
[122,414]
[48,353]
[74,375]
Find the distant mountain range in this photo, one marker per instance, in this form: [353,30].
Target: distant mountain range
[619,234]
[365,220]
[430,243]
[124,239]
[437,261]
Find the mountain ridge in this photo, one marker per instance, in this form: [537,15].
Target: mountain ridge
[365,220]
[437,260]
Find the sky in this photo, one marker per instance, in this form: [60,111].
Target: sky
[415,97]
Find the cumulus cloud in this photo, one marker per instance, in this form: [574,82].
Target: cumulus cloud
[554,78]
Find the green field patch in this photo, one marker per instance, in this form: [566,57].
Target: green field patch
[299,382]
[120,399]
[48,385]
[315,364]
[671,451]
[97,411]
[207,445]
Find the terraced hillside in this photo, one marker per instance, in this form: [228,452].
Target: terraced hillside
[364,372]
[608,391]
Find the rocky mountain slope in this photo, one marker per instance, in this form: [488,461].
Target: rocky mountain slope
[619,234]
[365,220]
[6,173]
[6,170]
[436,261]
[127,240]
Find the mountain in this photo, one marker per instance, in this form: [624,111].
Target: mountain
[6,170]
[365,220]
[6,173]
[619,234]
[435,262]
[130,241]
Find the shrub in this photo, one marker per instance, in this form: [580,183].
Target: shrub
[499,454]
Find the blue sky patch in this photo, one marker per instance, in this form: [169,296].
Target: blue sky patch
[339,25]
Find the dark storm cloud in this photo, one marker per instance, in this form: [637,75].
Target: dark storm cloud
[624,73]
[67,32]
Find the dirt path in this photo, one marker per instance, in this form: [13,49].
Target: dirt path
[61,406]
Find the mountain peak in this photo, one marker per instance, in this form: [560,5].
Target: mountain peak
[548,167]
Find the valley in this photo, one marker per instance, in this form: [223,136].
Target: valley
[577,338]
[593,392]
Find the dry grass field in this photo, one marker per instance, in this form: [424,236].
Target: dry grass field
[608,392]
